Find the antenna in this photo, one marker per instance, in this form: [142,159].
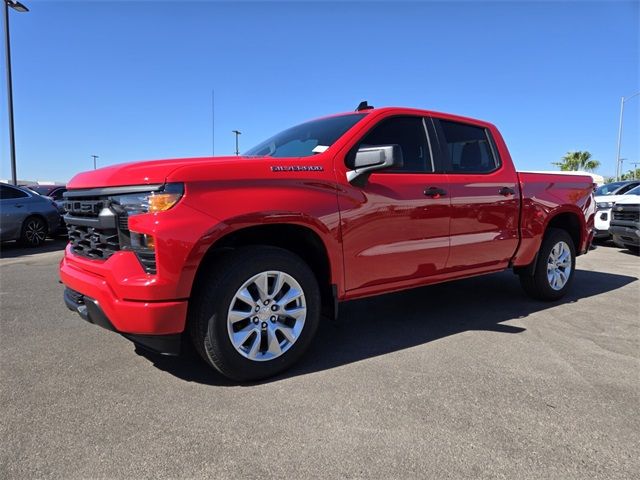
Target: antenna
[237,134]
[364,106]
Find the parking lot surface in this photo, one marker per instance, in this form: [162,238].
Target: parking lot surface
[469,379]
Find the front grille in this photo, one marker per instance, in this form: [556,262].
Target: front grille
[627,215]
[92,227]
[84,207]
[148,260]
[98,227]
[93,242]
[123,222]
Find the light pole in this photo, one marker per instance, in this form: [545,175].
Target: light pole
[618,162]
[18,7]
[94,161]
[238,133]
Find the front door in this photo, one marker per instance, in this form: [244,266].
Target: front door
[395,228]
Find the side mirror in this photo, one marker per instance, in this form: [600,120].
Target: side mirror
[370,159]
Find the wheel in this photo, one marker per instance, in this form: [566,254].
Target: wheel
[554,267]
[34,232]
[255,313]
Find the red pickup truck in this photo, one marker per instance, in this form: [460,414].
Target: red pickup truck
[244,255]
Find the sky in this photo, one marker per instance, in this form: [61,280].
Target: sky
[133,80]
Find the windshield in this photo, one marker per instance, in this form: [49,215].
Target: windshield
[40,189]
[609,188]
[306,139]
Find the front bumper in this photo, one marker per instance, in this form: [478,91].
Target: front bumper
[89,309]
[625,235]
[126,294]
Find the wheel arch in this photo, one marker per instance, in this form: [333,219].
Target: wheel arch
[566,219]
[298,239]
[570,222]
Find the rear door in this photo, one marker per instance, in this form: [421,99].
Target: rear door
[13,210]
[395,228]
[485,197]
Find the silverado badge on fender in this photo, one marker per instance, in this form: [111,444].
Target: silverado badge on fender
[297,168]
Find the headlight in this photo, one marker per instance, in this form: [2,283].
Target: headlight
[605,205]
[148,202]
[127,205]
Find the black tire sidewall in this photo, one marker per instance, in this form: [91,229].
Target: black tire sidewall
[244,264]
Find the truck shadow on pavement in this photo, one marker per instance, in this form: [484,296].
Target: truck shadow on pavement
[15,249]
[380,325]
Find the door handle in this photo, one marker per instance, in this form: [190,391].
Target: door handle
[434,192]
[506,191]
[18,205]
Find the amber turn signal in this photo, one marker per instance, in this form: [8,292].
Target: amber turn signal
[159,202]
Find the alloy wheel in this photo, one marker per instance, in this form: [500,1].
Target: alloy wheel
[35,232]
[266,315]
[559,265]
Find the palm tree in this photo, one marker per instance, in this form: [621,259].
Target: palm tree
[574,161]
[631,175]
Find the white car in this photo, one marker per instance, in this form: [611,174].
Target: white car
[625,224]
[606,197]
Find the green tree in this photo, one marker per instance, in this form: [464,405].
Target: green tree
[574,161]
[631,175]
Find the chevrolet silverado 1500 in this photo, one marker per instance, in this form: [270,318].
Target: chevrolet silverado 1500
[244,255]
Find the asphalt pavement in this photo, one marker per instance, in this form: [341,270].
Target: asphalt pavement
[469,379]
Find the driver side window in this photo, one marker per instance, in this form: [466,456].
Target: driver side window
[410,134]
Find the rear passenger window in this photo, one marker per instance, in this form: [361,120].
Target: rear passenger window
[7,193]
[626,188]
[407,132]
[468,148]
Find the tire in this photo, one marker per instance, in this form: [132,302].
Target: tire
[34,231]
[229,292]
[551,278]
[635,249]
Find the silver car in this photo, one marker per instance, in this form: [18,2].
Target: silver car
[26,216]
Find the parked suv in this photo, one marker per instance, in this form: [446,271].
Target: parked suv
[606,197]
[625,224]
[243,254]
[26,216]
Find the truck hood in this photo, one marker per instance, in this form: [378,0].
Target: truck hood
[149,172]
[612,198]
[628,200]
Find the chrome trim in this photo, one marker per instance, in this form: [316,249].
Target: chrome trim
[106,191]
